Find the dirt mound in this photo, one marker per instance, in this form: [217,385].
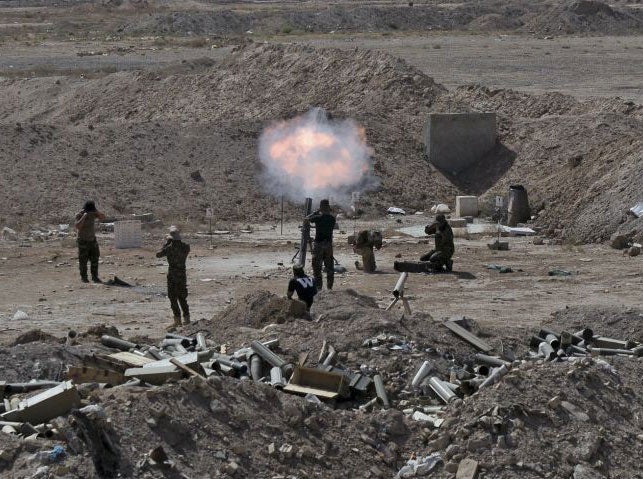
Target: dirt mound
[588,426]
[572,156]
[571,175]
[614,323]
[259,309]
[33,336]
[585,16]
[77,123]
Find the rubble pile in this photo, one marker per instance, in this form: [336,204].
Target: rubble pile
[358,391]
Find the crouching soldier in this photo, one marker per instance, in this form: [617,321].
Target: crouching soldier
[303,285]
[363,244]
[176,252]
[440,257]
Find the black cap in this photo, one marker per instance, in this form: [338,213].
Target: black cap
[324,205]
[90,206]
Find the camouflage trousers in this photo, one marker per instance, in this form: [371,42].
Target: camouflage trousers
[323,255]
[88,251]
[177,293]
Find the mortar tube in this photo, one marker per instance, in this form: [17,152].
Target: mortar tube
[491,361]
[154,352]
[443,391]
[267,355]
[236,365]
[610,352]
[545,350]
[256,367]
[453,387]
[399,286]
[638,351]
[611,343]
[553,341]
[535,341]
[184,342]
[13,388]
[117,343]
[577,349]
[366,406]
[496,375]
[423,372]
[178,336]
[381,391]
[200,341]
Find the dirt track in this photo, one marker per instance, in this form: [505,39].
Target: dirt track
[60,301]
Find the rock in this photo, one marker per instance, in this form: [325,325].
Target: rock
[394,423]
[588,446]
[271,448]
[196,176]
[468,469]
[451,467]
[618,241]
[476,444]
[539,241]
[634,251]
[574,411]
[20,316]
[582,471]
[554,402]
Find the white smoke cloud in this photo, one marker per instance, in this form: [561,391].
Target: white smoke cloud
[312,156]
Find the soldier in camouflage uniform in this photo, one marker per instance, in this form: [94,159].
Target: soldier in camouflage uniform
[176,252]
[324,223]
[440,257]
[87,245]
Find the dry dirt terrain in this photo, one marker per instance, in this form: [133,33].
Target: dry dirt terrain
[157,107]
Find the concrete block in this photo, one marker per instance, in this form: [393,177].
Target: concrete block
[466,206]
[45,406]
[468,469]
[456,141]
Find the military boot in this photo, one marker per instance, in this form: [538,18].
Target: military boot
[174,325]
[450,265]
[186,320]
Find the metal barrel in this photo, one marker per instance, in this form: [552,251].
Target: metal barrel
[577,349]
[267,355]
[546,351]
[256,367]
[117,343]
[12,388]
[553,341]
[184,342]
[444,392]
[495,375]
[201,342]
[305,232]
[610,352]
[381,391]
[423,372]
[277,378]
[491,360]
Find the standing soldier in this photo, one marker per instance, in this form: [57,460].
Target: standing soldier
[324,223]
[440,257]
[87,245]
[176,252]
[304,285]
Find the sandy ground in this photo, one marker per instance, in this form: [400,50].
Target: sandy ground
[584,67]
[43,281]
